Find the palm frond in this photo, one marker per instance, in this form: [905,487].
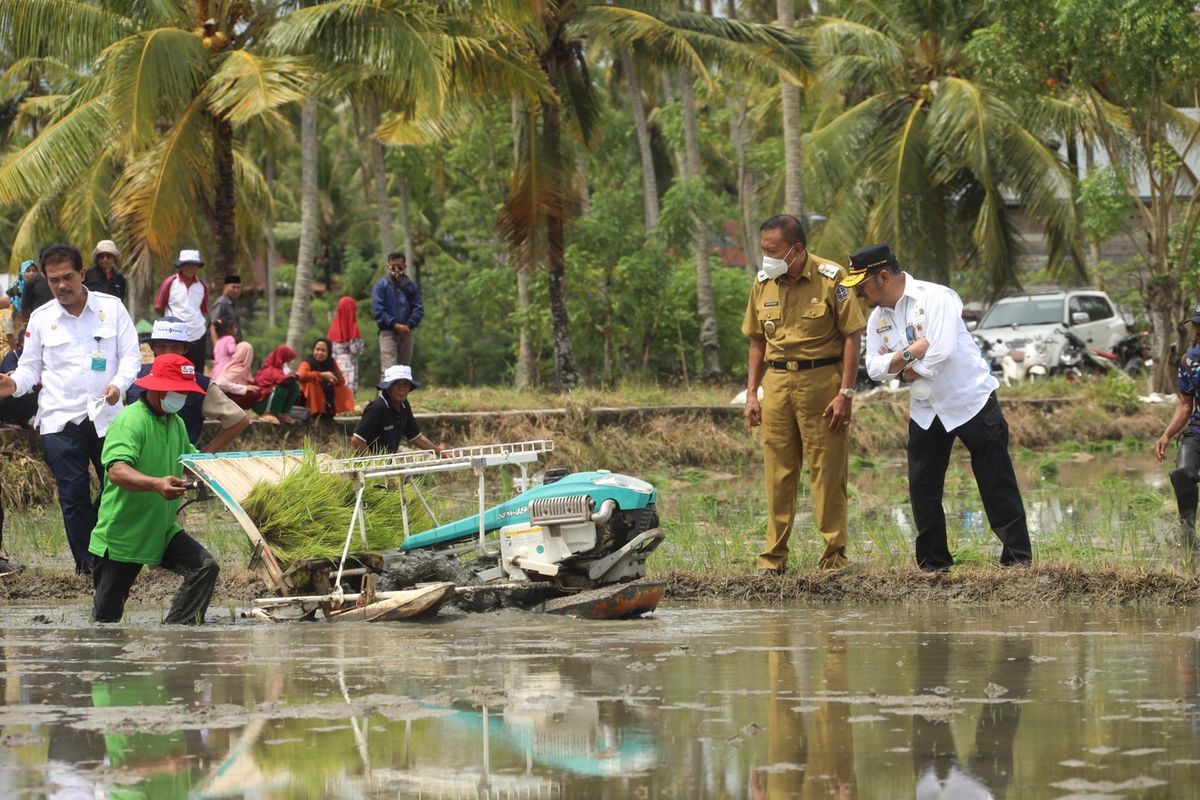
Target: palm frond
[247,85]
[158,194]
[86,201]
[73,30]
[377,36]
[541,186]
[151,75]
[38,225]
[57,156]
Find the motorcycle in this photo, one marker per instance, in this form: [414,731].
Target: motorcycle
[1026,359]
[1133,353]
[1077,359]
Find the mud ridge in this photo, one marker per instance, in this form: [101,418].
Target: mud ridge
[153,587]
[1045,584]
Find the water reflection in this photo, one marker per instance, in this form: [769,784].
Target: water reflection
[806,702]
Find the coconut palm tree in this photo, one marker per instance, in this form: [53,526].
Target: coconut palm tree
[561,32]
[419,62]
[914,151]
[145,139]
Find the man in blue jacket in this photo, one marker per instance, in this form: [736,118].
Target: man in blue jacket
[396,304]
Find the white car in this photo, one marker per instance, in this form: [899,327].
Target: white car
[1087,313]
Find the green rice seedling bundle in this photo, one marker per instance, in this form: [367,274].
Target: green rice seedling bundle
[307,514]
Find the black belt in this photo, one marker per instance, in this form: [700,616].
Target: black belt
[795,366]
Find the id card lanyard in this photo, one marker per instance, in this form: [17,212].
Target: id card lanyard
[99,362]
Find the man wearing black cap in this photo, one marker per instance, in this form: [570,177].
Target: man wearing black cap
[1186,475]
[805,334]
[916,333]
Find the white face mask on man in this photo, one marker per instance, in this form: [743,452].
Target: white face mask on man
[172,402]
[774,267]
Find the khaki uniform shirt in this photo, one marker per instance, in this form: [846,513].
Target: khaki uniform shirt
[806,317]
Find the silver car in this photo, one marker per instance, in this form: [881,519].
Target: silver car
[1087,313]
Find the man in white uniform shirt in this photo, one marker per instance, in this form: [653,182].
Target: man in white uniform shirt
[83,349]
[916,333]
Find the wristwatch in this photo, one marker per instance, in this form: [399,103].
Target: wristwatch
[847,393]
[907,356]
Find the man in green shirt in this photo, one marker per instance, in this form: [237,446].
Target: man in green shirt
[137,523]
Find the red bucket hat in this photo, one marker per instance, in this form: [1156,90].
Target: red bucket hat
[170,373]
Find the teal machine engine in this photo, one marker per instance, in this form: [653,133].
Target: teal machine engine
[582,531]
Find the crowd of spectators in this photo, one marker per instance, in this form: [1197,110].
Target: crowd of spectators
[72,357]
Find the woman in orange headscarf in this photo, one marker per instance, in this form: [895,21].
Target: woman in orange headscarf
[347,342]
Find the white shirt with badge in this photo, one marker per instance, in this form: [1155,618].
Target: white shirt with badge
[959,379]
[75,358]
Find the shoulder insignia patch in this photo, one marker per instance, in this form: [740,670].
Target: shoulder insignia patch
[828,270]
[761,277]
[842,294]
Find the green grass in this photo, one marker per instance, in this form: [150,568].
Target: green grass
[431,399]
[716,524]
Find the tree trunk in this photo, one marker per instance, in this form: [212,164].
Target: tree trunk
[526,376]
[224,207]
[309,223]
[1162,304]
[565,371]
[792,156]
[650,207]
[410,254]
[706,307]
[739,131]
[272,300]
[383,208]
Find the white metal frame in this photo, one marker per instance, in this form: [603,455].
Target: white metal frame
[411,463]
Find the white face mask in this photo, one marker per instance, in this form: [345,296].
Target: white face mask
[774,267]
[172,402]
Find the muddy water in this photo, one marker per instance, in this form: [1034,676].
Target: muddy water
[695,702]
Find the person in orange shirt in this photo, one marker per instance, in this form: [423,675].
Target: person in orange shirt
[324,386]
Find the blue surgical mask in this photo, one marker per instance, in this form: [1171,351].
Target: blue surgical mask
[172,402]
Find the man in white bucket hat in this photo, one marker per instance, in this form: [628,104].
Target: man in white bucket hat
[185,296]
[387,421]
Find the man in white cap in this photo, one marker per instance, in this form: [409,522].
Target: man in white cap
[83,350]
[169,335]
[185,296]
[387,421]
[103,276]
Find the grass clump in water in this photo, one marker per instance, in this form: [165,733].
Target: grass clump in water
[307,514]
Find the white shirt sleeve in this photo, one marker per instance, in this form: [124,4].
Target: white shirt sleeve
[941,329]
[877,363]
[29,367]
[129,354]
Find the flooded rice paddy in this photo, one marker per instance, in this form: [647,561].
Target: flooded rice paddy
[695,702]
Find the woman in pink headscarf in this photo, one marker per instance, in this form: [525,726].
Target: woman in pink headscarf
[225,344]
[236,378]
[347,343]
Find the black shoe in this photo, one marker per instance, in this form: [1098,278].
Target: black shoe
[930,570]
[10,567]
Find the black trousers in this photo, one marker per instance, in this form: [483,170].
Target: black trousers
[68,454]
[986,437]
[185,557]
[1184,479]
